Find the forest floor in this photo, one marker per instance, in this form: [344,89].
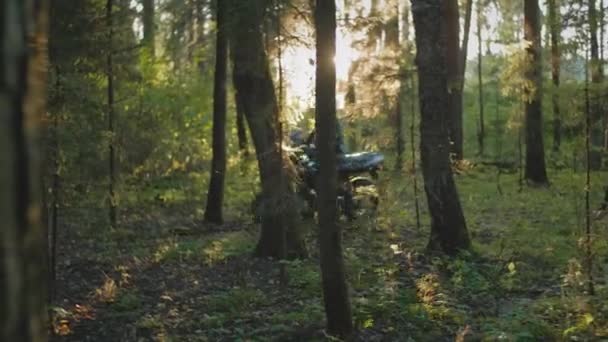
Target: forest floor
[164,275]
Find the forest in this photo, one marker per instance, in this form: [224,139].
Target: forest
[303,170]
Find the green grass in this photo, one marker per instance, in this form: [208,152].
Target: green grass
[522,280]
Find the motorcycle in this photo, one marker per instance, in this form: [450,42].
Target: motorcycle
[357,175]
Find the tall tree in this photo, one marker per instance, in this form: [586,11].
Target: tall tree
[149,25]
[482,129]
[457,63]
[596,66]
[22,237]
[241,130]
[465,41]
[597,76]
[335,291]
[448,228]
[535,171]
[215,195]
[451,29]
[256,92]
[111,112]
[391,25]
[555,29]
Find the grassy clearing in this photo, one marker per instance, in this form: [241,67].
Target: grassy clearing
[522,281]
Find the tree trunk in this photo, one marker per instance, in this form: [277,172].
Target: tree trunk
[335,290]
[465,42]
[215,195]
[554,25]
[454,118]
[110,104]
[149,25]
[374,35]
[391,27]
[535,171]
[597,76]
[256,93]
[241,130]
[596,66]
[400,146]
[240,125]
[481,134]
[22,236]
[448,228]
[457,91]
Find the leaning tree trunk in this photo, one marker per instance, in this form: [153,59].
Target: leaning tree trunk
[451,27]
[554,25]
[22,236]
[215,195]
[448,228]
[535,171]
[241,130]
[335,290]
[256,93]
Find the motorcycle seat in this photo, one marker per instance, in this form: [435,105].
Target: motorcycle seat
[360,162]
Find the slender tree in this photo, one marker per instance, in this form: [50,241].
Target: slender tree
[451,29]
[335,291]
[413,150]
[535,171]
[22,237]
[588,262]
[481,134]
[149,25]
[448,228]
[597,77]
[111,112]
[465,41]
[215,195]
[256,92]
[241,130]
[400,141]
[391,25]
[555,29]
[596,66]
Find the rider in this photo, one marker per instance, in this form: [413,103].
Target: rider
[340,146]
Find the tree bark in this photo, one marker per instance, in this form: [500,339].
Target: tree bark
[23,63]
[215,195]
[448,228]
[256,92]
[451,30]
[555,28]
[335,290]
[535,171]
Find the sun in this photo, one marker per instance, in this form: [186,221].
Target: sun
[298,63]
